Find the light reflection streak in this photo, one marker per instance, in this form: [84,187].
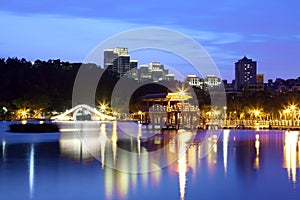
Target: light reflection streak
[212,155]
[109,182]
[133,160]
[182,175]
[139,139]
[145,160]
[290,154]
[119,183]
[199,151]
[182,162]
[215,146]
[192,159]
[102,139]
[116,183]
[257,144]
[123,180]
[172,145]
[225,148]
[257,148]
[114,140]
[3,149]
[31,171]
[155,177]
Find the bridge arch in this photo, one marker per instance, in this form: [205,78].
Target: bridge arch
[68,115]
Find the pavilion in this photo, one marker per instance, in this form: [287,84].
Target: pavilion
[168,110]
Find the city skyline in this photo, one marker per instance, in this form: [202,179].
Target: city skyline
[267,32]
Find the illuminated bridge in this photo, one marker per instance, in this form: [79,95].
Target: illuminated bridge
[82,112]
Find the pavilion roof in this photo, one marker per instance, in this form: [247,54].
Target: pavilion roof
[176,96]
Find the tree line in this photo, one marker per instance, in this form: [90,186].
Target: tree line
[44,87]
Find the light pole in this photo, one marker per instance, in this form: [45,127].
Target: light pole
[103,108]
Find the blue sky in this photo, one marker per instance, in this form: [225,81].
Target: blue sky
[266,31]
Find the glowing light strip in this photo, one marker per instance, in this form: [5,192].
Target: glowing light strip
[31,171]
[225,148]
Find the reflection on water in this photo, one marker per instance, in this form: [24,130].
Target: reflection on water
[291,154]
[225,148]
[212,155]
[72,146]
[114,139]
[102,140]
[108,144]
[182,168]
[182,162]
[3,149]
[257,147]
[241,164]
[31,171]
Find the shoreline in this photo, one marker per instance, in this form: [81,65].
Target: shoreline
[200,127]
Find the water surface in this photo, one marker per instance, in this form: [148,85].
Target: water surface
[240,164]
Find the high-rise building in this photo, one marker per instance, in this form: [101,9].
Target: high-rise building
[117,60]
[121,65]
[212,81]
[121,51]
[194,80]
[154,72]
[133,64]
[134,72]
[109,57]
[245,73]
[144,73]
[203,83]
[170,77]
[157,71]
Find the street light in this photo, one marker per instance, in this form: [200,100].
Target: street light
[181,93]
[103,107]
[256,112]
[293,107]
[23,113]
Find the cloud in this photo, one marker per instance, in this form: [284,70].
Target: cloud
[70,29]
[46,36]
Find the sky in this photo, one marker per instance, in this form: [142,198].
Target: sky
[265,31]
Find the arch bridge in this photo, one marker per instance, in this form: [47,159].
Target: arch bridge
[91,114]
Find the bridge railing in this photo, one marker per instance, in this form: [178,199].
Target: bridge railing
[255,123]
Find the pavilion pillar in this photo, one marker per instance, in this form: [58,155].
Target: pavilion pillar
[169,114]
[147,114]
[153,115]
[176,120]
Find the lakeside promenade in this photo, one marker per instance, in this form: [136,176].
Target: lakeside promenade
[252,124]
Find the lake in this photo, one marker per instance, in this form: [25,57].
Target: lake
[123,160]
